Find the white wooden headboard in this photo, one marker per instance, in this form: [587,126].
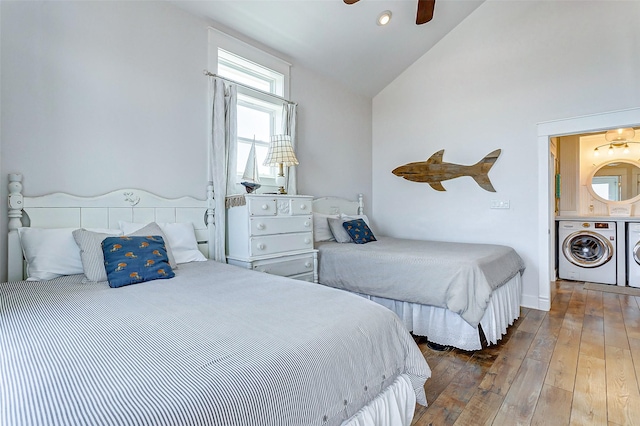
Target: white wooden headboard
[62,210]
[337,205]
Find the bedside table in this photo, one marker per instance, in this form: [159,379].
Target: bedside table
[273,234]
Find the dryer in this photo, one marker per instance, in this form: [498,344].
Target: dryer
[587,251]
[633,254]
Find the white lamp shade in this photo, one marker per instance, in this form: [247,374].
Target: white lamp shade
[281,152]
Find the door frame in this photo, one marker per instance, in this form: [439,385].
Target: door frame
[546,220]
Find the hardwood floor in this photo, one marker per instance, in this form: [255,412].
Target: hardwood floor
[577,364]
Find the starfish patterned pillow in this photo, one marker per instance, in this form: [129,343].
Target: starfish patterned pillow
[358,231]
[135,259]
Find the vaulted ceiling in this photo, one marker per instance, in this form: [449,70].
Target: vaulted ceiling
[342,42]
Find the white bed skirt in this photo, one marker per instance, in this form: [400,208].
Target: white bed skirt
[395,406]
[447,328]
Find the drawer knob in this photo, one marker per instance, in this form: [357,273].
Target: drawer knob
[307,265]
[307,240]
[265,207]
[261,246]
[261,226]
[307,224]
[303,206]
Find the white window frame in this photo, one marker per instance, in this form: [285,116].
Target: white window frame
[255,71]
[241,57]
[220,40]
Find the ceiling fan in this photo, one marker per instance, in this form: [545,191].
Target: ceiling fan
[425,10]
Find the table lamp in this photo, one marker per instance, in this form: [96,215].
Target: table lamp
[281,154]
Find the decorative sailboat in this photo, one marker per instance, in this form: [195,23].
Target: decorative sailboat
[250,179]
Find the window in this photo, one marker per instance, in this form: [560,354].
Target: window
[249,73]
[608,187]
[259,115]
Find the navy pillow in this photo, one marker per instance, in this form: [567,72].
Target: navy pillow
[358,231]
[132,260]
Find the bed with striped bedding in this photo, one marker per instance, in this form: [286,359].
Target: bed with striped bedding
[215,345]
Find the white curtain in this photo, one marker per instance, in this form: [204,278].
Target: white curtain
[222,155]
[289,112]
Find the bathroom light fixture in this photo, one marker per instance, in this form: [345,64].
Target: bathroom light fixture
[384,18]
[619,135]
[617,138]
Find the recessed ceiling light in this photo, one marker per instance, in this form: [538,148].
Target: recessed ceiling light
[384,18]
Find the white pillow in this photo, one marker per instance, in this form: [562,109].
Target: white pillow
[356,216]
[338,231]
[181,238]
[321,230]
[52,253]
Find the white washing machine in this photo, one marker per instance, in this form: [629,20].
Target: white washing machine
[633,254]
[587,251]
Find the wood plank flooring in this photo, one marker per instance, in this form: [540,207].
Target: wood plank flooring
[578,364]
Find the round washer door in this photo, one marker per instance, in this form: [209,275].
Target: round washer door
[587,249]
[636,253]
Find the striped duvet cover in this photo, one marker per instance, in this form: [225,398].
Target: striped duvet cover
[216,345]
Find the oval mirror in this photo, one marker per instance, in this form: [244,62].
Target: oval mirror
[616,181]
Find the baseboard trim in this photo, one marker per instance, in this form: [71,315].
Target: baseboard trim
[533,302]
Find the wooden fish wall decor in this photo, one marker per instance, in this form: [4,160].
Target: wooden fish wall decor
[434,171]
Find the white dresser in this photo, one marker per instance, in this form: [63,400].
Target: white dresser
[273,234]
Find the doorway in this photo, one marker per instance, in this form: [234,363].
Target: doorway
[546,185]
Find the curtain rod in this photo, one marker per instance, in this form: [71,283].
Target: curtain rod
[210,74]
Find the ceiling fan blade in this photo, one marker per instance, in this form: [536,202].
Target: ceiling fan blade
[350,1]
[425,11]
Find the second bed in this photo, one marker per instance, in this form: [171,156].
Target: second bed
[444,291]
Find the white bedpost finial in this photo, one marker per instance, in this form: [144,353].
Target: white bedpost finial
[211,208]
[15,267]
[360,204]
[15,202]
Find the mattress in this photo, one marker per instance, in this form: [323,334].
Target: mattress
[215,345]
[457,276]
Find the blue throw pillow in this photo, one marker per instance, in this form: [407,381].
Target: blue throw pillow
[132,260]
[358,231]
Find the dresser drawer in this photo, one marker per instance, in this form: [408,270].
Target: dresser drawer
[280,225]
[290,206]
[270,244]
[262,206]
[286,266]
[301,206]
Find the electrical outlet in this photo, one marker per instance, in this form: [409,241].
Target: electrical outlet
[500,204]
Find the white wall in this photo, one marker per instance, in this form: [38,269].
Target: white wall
[338,162]
[486,85]
[103,95]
